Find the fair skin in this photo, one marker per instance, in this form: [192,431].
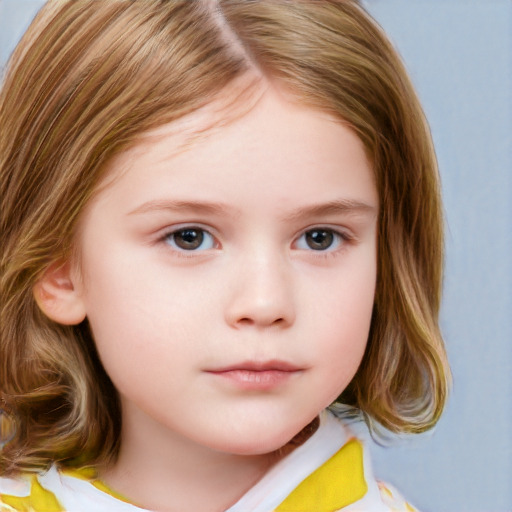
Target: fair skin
[229,287]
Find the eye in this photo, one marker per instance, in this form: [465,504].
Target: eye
[190,239]
[320,239]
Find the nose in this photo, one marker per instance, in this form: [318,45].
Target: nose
[261,293]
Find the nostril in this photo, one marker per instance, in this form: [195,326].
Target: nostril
[250,321]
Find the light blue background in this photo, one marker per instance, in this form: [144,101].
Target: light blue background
[459,54]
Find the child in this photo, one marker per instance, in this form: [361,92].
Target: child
[220,221]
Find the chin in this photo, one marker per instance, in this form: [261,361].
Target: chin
[268,441]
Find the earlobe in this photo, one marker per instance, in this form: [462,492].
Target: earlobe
[58,297]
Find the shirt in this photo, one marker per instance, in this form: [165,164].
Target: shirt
[330,472]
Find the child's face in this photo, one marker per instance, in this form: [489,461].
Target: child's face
[254,249]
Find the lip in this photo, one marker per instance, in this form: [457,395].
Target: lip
[259,366]
[256,375]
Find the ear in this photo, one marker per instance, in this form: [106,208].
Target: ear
[57,295]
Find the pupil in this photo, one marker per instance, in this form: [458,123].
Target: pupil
[319,239]
[189,238]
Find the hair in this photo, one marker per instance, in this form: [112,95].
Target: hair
[88,79]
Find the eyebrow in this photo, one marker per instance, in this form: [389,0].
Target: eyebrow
[336,207]
[204,207]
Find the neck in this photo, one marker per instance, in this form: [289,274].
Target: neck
[166,472]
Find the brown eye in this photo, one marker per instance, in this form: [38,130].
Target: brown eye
[319,239]
[190,239]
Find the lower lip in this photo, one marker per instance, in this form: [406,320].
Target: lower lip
[256,380]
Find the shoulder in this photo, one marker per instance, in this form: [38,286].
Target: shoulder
[335,474]
[379,496]
[26,492]
[55,491]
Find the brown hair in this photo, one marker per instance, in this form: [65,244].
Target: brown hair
[88,78]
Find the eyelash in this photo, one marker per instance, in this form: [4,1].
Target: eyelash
[170,236]
[341,238]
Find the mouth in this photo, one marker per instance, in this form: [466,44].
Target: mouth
[259,366]
[256,375]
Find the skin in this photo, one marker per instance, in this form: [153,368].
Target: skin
[164,317]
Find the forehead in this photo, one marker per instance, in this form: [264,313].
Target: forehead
[268,137]
[189,130]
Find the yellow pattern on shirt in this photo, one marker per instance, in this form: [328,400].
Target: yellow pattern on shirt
[39,500]
[334,485]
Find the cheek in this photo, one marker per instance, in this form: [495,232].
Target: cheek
[344,298]
[143,316]
[345,309]
[119,309]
